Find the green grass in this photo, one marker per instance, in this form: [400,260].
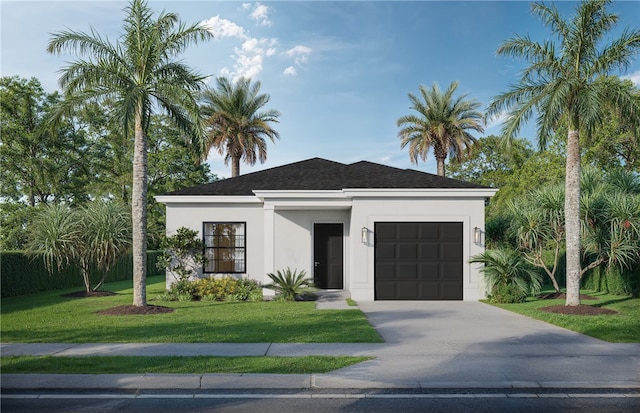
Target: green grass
[48,317]
[351,303]
[175,365]
[620,328]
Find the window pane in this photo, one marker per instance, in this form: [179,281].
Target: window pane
[224,247]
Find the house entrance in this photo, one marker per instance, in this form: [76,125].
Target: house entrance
[328,254]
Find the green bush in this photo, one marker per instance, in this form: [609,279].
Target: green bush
[22,274]
[214,289]
[291,285]
[506,293]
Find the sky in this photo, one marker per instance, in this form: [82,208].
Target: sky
[338,71]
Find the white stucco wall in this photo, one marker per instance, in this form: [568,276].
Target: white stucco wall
[294,237]
[280,227]
[194,215]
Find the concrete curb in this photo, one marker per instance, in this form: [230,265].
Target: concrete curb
[265,381]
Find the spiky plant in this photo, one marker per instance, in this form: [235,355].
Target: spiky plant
[289,284]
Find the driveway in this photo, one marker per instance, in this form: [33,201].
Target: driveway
[439,343]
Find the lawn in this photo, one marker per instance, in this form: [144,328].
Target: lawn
[623,327]
[49,317]
[175,365]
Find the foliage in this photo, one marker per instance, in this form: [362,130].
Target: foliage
[236,124]
[95,236]
[22,275]
[139,73]
[508,277]
[613,280]
[442,123]
[571,79]
[183,254]
[41,164]
[290,285]
[214,289]
[52,318]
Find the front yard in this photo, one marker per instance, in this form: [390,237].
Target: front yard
[49,317]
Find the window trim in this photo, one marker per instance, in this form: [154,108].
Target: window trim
[205,248]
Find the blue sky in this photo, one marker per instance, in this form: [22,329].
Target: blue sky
[339,72]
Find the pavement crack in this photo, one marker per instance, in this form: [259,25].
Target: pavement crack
[268,348]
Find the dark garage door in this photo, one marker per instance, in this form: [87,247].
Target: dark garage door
[418,260]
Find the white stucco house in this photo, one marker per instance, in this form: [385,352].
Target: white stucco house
[382,233]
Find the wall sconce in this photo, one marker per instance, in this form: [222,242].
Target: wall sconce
[364,235]
[477,236]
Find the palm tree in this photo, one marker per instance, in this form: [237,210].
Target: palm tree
[442,123]
[235,124]
[139,72]
[569,82]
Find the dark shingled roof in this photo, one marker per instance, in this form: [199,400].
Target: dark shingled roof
[320,174]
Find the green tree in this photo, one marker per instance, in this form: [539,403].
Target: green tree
[139,72]
[94,236]
[441,123]
[236,122]
[41,163]
[570,80]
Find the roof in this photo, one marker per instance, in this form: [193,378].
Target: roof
[321,174]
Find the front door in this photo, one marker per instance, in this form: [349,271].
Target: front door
[328,256]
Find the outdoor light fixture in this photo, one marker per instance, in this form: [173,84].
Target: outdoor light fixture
[365,235]
[477,235]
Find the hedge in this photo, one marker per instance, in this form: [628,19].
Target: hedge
[613,280]
[22,274]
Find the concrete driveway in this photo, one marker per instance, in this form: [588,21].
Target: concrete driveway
[461,343]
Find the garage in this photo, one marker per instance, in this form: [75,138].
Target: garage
[418,260]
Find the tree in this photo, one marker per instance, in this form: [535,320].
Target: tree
[235,124]
[569,81]
[441,123]
[41,163]
[141,71]
[90,237]
[182,254]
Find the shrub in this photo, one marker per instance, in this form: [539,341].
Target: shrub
[214,289]
[290,285]
[507,275]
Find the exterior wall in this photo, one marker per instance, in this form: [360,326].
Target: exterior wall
[294,237]
[192,216]
[366,211]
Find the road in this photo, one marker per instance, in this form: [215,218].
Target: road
[450,401]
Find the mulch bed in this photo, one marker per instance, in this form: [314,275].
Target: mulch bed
[85,294]
[133,310]
[578,310]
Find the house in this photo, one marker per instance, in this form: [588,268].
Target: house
[382,233]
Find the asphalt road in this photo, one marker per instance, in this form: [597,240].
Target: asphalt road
[574,400]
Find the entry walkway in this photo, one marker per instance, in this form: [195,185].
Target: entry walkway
[427,345]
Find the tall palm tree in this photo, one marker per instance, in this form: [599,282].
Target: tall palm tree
[570,82]
[442,123]
[139,72]
[235,123]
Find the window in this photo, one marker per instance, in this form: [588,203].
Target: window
[224,247]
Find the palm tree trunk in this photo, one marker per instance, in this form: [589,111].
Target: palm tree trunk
[139,213]
[440,162]
[235,166]
[572,218]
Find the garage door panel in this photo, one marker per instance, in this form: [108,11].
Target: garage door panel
[418,260]
[451,251]
[407,270]
[407,251]
[407,231]
[385,251]
[429,251]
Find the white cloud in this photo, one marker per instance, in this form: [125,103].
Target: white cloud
[290,71]
[299,53]
[221,28]
[260,14]
[634,77]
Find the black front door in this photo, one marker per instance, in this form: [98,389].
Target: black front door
[327,256]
